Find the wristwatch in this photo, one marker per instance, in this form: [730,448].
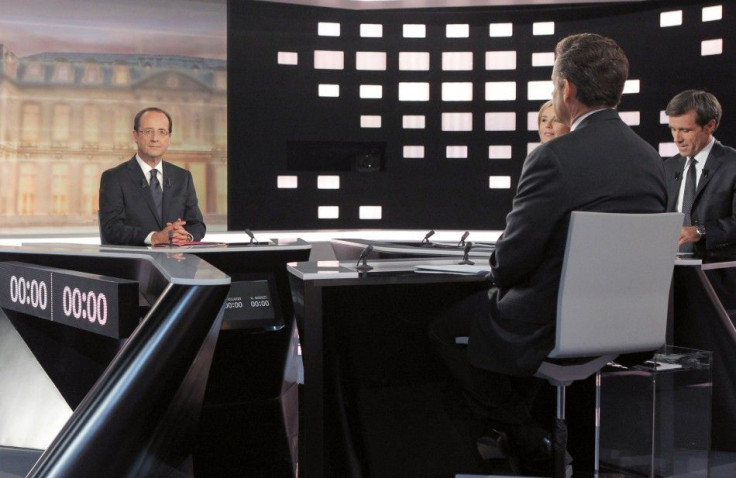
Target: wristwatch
[701,230]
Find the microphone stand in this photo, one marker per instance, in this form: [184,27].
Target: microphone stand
[362,265]
[466,251]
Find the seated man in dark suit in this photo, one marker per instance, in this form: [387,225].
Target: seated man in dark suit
[146,200]
[600,165]
[709,200]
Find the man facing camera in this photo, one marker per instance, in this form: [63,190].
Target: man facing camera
[701,180]
[600,165]
[147,200]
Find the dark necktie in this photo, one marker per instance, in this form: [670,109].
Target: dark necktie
[156,192]
[688,196]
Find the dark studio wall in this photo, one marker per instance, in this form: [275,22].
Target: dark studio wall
[279,126]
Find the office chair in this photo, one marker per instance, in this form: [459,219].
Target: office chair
[612,300]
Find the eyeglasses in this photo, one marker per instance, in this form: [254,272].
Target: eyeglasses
[149,132]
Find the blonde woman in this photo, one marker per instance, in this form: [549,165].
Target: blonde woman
[549,126]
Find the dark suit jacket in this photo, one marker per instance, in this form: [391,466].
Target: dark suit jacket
[715,200]
[601,166]
[127,214]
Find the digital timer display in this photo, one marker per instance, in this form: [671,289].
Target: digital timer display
[249,303]
[101,304]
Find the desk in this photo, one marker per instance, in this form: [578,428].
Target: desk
[328,296]
[704,312]
[135,399]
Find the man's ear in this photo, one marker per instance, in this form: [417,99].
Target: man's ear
[569,90]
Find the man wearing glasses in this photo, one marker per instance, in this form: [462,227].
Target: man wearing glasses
[146,200]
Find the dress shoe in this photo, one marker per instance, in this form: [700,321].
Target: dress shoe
[540,462]
[494,445]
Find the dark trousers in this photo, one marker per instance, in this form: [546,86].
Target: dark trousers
[503,401]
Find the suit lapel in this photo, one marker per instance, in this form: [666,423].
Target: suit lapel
[712,163]
[139,180]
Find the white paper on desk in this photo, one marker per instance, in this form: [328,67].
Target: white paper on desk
[463,269]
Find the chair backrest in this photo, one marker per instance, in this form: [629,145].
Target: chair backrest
[615,283]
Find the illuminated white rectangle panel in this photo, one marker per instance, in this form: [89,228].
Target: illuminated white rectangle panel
[329,91]
[328,182]
[532,123]
[539,90]
[414,151]
[371,30]
[370,212]
[543,28]
[371,91]
[711,47]
[414,30]
[413,121]
[499,151]
[632,86]
[328,29]
[668,149]
[500,90]
[413,91]
[370,121]
[457,31]
[370,60]
[287,182]
[459,91]
[413,61]
[456,151]
[531,147]
[329,60]
[501,60]
[631,118]
[663,118]
[328,212]
[501,121]
[457,121]
[288,58]
[457,60]
[499,182]
[501,29]
[712,13]
[545,58]
[670,19]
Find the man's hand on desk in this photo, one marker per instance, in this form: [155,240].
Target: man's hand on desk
[174,233]
[689,234]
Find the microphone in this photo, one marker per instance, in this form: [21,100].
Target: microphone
[677,176]
[462,239]
[362,264]
[168,182]
[425,241]
[252,237]
[144,184]
[171,238]
[466,251]
[705,173]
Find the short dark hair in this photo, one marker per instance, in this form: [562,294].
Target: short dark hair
[705,105]
[596,65]
[137,119]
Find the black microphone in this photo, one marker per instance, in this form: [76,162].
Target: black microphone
[466,251]
[362,264]
[252,237]
[705,173]
[144,184]
[171,238]
[425,241]
[168,182]
[462,239]
[677,176]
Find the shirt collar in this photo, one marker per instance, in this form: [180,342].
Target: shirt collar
[703,154]
[582,117]
[147,169]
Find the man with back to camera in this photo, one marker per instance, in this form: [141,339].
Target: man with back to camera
[139,206]
[709,202]
[600,165]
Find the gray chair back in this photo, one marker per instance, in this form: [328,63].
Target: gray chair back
[614,288]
